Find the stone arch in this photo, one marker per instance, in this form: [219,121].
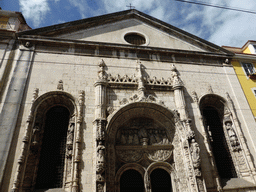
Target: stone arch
[126,167]
[35,132]
[160,114]
[215,101]
[166,167]
[218,122]
[153,117]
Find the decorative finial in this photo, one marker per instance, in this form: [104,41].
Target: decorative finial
[35,94]
[228,97]
[194,96]
[176,81]
[60,85]
[210,91]
[102,73]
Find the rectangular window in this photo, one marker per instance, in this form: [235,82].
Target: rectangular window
[254,91]
[248,68]
[254,46]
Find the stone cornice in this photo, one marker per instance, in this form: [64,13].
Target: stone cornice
[49,40]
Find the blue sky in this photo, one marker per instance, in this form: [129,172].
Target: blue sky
[219,26]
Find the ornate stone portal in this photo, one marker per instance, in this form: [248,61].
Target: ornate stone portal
[144,134]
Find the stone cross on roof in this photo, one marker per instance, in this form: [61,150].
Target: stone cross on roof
[130,6]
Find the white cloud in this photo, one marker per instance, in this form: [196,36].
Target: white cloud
[34,10]
[219,26]
[225,27]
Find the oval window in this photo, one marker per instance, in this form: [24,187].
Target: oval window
[135,38]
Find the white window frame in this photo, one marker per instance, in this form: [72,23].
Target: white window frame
[254,91]
[250,71]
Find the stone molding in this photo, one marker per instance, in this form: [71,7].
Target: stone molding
[28,160]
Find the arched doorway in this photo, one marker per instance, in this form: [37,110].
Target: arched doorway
[52,156]
[139,134]
[160,181]
[131,181]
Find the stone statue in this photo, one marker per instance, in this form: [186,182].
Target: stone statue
[165,138]
[195,153]
[151,137]
[232,135]
[130,137]
[36,135]
[136,138]
[100,167]
[157,137]
[123,139]
[70,135]
[143,133]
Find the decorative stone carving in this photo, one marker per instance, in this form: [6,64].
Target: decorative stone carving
[159,155]
[209,90]
[102,75]
[100,167]
[35,94]
[232,135]
[110,110]
[36,136]
[190,135]
[176,81]
[125,79]
[129,155]
[100,130]
[136,136]
[100,187]
[60,85]
[194,97]
[195,154]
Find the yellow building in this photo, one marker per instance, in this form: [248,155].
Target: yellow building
[244,63]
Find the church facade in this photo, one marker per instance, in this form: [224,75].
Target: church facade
[123,102]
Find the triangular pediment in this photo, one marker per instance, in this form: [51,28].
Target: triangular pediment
[113,28]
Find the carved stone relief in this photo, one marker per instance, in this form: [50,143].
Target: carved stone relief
[142,136]
[159,155]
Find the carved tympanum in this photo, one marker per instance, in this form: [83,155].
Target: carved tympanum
[141,136]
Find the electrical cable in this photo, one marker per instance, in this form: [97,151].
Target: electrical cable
[217,6]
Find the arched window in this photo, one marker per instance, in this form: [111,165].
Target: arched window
[213,110]
[160,181]
[131,181]
[52,155]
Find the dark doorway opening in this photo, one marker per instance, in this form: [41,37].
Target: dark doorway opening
[219,145]
[160,181]
[131,181]
[52,156]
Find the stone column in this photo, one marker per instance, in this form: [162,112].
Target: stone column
[100,125]
[78,140]
[12,101]
[179,98]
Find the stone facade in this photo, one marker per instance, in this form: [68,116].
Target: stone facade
[130,106]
